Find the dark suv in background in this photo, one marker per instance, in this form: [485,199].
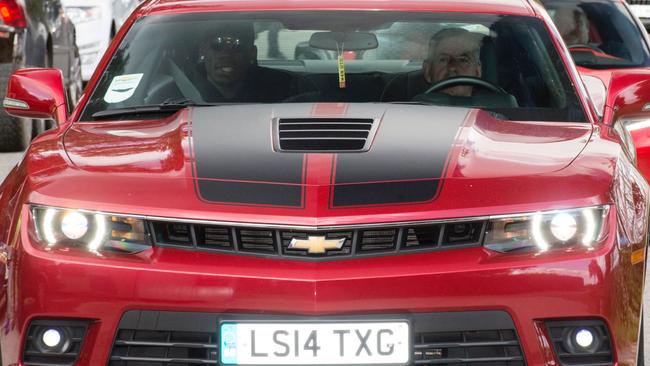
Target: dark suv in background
[35,33]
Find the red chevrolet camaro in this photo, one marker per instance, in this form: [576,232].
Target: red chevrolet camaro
[267,182]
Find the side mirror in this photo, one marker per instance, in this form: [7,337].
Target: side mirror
[597,92]
[36,93]
[626,108]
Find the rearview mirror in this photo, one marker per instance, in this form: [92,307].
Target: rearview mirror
[36,93]
[343,41]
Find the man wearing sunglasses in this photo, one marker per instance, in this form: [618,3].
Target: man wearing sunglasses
[229,61]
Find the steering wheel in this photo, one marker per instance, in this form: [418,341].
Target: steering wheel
[465,80]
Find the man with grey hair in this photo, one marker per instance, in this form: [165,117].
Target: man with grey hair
[573,25]
[453,52]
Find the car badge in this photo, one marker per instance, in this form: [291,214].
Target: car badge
[316,244]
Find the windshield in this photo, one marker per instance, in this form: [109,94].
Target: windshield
[504,64]
[600,34]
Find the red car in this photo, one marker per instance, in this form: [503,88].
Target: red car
[431,186]
[604,37]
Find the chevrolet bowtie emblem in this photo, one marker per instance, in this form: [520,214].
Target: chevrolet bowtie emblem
[316,244]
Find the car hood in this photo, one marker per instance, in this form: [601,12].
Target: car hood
[223,159]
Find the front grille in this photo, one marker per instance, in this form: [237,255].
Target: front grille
[484,347]
[319,244]
[378,240]
[323,134]
[163,347]
[256,241]
[477,338]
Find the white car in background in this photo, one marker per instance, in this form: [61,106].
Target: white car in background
[96,22]
[641,8]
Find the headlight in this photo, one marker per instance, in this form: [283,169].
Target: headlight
[544,231]
[80,14]
[94,232]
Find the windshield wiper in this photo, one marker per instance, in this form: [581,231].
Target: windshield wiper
[168,106]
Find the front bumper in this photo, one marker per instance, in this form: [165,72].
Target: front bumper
[164,283]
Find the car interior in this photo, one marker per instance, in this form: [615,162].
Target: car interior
[612,36]
[513,61]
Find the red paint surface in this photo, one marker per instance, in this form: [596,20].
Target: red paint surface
[42,90]
[495,167]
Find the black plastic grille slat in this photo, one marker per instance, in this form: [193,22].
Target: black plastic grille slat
[499,347]
[422,237]
[34,357]
[173,233]
[316,134]
[378,240]
[164,348]
[358,242]
[463,233]
[323,134]
[256,240]
[638,2]
[213,237]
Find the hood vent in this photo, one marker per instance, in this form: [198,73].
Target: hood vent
[324,134]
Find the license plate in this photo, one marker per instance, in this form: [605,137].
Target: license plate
[315,343]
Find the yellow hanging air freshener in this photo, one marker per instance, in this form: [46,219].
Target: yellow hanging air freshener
[341,63]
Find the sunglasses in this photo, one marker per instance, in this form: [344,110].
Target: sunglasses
[222,43]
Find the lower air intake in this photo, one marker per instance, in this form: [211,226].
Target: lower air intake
[475,338]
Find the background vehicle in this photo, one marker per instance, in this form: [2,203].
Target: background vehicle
[616,43]
[96,22]
[37,35]
[202,184]
[641,8]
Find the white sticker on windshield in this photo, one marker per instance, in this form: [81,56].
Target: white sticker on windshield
[122,88]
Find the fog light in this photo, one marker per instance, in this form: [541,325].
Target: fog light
[53,342]
[581,342]
[584,338]
[52,338]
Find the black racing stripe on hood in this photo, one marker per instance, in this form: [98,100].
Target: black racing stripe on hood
[251,193]
[385,193]
[406,162]
[235,163]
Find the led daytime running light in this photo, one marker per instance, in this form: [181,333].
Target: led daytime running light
[100,233]
[538,236]
[48,227]
[590,228]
